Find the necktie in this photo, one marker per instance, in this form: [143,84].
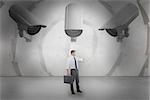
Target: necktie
[75,62]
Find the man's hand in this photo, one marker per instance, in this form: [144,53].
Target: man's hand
[80,59]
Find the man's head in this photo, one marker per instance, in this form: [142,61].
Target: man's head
[73,52]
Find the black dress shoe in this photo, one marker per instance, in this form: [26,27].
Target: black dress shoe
[79,91]
[73,93]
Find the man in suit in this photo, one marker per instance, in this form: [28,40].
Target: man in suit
[72,69]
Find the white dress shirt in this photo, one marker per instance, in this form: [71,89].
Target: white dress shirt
[71,62]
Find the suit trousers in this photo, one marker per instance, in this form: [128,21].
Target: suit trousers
[75,74]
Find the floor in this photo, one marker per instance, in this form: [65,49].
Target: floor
[95,88]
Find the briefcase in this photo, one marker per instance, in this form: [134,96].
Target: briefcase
[68,79]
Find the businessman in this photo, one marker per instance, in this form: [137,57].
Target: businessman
[73,69]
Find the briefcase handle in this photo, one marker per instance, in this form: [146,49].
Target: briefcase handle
[67,72]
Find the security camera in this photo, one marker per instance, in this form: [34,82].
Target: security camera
[25,20]
[73,21]
[118,25]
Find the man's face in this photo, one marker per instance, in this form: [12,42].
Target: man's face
[73,54]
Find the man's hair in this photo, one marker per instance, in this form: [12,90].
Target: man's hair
[72,51]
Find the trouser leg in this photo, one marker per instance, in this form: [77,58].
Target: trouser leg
[71,85]
[77,81]
[77,86]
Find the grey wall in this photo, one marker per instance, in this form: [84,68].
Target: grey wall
[48,51]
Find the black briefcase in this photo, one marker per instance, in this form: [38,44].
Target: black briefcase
[68,79]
